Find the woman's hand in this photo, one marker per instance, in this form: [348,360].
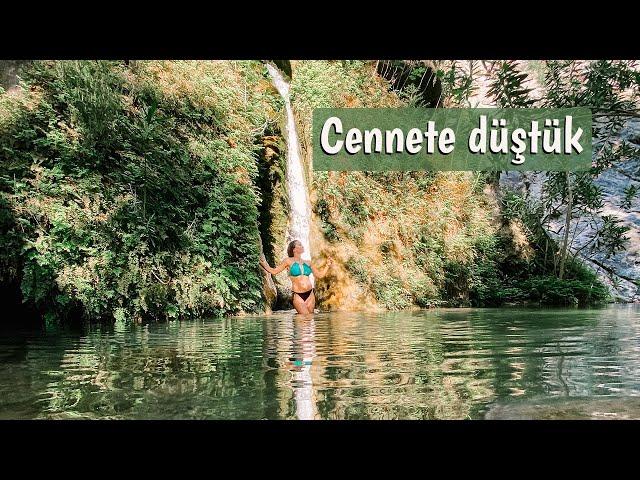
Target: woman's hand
[327,266]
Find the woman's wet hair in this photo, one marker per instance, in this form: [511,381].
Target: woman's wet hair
[290,248]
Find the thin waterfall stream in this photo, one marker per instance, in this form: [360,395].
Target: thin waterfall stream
[299,205]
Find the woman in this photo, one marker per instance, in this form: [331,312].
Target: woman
[304,300]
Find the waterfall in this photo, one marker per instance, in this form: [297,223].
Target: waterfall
[299,205]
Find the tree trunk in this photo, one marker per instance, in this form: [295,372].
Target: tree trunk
[567,226]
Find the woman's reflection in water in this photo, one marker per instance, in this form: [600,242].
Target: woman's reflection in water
[303,351]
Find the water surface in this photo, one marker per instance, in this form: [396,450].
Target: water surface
[434,364]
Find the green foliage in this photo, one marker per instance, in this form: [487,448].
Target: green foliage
[583,288]
[323,84]
[611,90]
[358,267]
[486,277]
[478,266]
[610,238]
[321,208]
[411,96]
[415,82]
[496,278]
[424,292]
[550,290]
[128,193]
[391,293]
[507,87]
[630,194]
[513,205]
[501,275]
[457,80]
[138,191]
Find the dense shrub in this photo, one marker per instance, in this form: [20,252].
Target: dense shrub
[127,192]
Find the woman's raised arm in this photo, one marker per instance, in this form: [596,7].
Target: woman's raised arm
[317,273]
[274,271]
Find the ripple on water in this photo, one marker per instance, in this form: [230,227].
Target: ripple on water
[449,363]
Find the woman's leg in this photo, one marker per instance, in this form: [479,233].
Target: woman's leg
[299,304]
[310,302]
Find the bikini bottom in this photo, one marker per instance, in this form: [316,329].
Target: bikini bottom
[304,295]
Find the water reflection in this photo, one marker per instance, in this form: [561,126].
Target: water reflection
[290,340]
[303,350]
[449,363]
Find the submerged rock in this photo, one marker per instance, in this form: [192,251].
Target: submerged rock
[567,408]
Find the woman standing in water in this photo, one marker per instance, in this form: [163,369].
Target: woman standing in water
[304,300]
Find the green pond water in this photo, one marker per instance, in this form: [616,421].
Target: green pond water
[435,364]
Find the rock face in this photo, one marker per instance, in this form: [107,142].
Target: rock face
[268,288]
[620,272]
[624,266]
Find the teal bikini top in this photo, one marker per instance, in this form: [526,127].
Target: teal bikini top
[294,270]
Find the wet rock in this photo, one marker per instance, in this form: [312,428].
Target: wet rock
[268,286]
